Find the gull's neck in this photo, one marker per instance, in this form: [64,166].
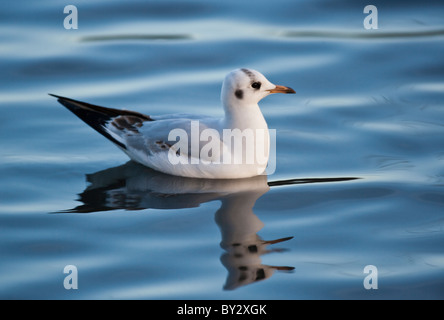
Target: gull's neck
[244,117]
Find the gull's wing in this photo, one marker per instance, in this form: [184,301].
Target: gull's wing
[137,134]
[106,121]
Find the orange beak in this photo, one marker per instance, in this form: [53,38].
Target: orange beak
[282,89]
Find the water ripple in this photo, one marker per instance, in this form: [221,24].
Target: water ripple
[375,34]
[129,37]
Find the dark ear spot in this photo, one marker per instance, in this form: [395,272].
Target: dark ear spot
[239,94]
[260,274]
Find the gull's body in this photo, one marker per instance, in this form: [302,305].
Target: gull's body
[150,140]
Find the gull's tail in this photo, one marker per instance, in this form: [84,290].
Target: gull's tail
[108,122]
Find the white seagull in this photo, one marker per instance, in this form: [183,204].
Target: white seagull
[235,146]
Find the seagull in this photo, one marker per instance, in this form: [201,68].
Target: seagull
[196,146]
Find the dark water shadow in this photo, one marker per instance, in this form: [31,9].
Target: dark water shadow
[130,37]
[375,34]
[135,187]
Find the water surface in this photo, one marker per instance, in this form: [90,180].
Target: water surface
[360,152]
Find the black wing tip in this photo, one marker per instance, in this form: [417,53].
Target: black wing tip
[67,102]
[98,117]
[110,112]
[56,96]
[95,116]
[61,99]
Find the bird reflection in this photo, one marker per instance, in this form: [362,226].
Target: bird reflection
[136,187]
[239,227]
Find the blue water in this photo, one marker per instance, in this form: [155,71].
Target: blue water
[369,105]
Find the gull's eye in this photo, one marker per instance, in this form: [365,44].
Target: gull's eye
[256,85]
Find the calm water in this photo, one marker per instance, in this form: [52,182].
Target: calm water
[369,105]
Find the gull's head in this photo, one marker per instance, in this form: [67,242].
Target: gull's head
[248,87]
